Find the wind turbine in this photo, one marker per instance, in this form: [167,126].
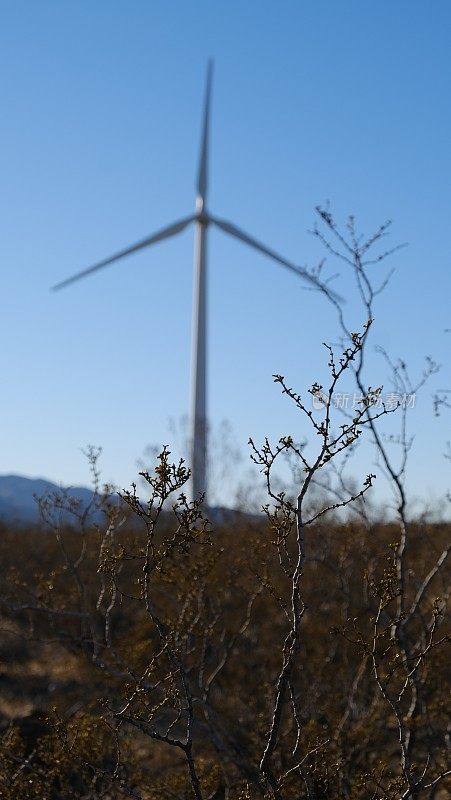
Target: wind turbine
[202,219]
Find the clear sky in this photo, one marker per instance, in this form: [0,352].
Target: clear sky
[101,103]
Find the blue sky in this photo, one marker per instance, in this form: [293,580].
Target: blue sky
[312,101]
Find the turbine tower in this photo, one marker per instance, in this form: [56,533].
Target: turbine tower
[202,219]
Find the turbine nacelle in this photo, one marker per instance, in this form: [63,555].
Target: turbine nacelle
[202,216]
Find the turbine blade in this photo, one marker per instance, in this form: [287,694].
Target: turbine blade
[202,180]
[231,229]
[164,233]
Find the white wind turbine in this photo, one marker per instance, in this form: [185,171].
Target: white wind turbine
[202,219]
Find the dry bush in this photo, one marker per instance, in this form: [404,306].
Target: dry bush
[297,655]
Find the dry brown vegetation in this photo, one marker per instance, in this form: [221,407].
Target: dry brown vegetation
[99,703]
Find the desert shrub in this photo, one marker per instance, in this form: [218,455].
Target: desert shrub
[299,654]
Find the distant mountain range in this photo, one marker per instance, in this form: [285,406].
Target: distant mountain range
[17,497]
[18,500]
